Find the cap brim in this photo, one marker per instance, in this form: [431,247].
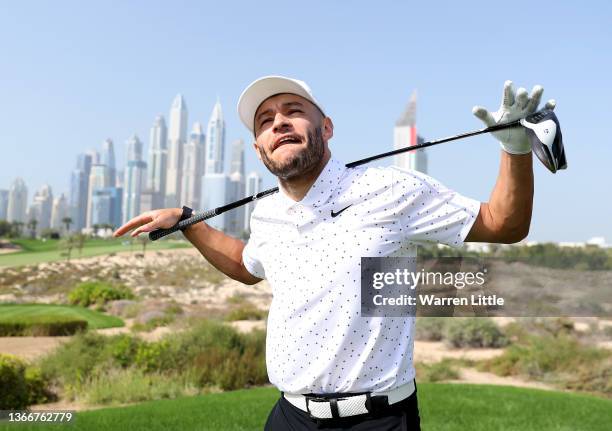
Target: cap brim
[260,90]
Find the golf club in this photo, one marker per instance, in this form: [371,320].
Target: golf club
[543,130]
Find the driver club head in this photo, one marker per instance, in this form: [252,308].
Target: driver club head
[544,133]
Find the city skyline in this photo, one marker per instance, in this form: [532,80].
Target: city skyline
[100,194]
[68,86]
[198,151]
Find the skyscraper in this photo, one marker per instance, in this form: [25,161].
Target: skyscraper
[32,215]
[235,218]
[193,168]
[176,140]
[253,186]
[134,179]
[215,141]
[214,193]
[108,159]
[158,160]
[4,197]
[79,188]
[106,206]
[237,162]
[40,209]
[95,156]
[43,199]
[120,178]
[98,179]
[58,212]
[405,135]
[18,200]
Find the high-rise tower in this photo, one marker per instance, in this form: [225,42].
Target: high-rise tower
[405,135]
[58,212]
[17,202]
[215,141]
[176,140]
[4,197]
[108,159]
[235,219]
[193,168]
[253,186]
[158,160]
[98,179]
[79,187]
[134,180]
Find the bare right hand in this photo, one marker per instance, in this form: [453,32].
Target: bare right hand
[151,220]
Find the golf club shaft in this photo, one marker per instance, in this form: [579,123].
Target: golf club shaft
[159,233]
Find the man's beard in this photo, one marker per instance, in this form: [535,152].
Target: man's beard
[302,162]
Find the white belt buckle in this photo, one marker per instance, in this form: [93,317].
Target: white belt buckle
[322,408]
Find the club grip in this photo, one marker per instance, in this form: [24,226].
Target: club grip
[160,233]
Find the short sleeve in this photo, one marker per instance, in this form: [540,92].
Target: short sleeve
[250,258]
[429,211]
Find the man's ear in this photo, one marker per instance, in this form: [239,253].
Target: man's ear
[328,128]
[257,150]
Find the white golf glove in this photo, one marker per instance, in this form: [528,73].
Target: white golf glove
[514,139]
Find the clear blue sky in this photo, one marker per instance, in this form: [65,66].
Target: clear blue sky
[74,73]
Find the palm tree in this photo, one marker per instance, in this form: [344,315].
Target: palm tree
[32,226]
[67,222]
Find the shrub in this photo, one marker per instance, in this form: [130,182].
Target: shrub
[215,354]
[207,334]
[123,349]
[132,385]
[246,312]
[71,363]
[41,326]
[233,369]
[13,387]
[562,360]
[211,354]
[97,292]
[430,328]
[437,372]
[38,387]
[474,332]
[154,356]
[538,356]
[523,328]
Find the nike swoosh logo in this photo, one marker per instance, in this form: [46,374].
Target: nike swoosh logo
[333,214]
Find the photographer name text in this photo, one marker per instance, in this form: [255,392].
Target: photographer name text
[433,300]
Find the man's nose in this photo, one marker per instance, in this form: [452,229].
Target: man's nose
[281,123]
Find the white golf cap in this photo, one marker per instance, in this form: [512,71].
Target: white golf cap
[263,88]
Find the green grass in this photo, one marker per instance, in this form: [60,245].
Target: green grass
[37,251]
[95,320]
[443,407]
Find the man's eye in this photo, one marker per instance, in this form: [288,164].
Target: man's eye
[264,121]
[293,111]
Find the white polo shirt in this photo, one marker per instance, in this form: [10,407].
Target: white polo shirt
[317,341]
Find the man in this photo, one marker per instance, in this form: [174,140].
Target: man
[335,368]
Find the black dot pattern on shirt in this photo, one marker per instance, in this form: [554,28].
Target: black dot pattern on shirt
[317,341]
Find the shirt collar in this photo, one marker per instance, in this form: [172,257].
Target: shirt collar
[321,189]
